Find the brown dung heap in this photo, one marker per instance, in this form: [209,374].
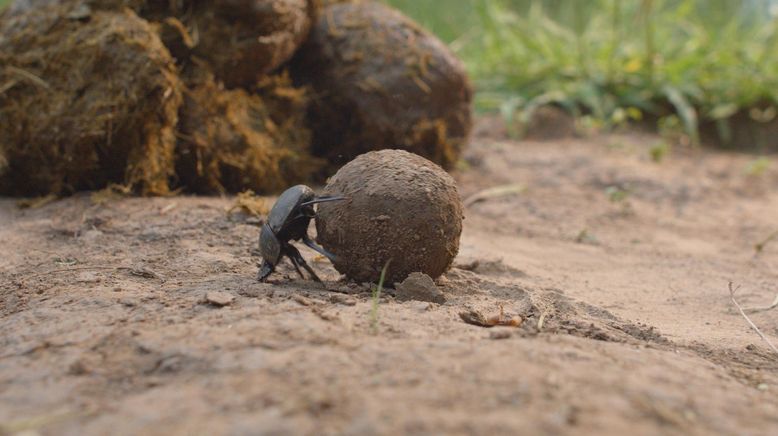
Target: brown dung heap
[86,98]
[401,207]
[241,40]
[231,140]
[193,94]
[382,82]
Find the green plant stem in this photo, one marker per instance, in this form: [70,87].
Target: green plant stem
[376,298]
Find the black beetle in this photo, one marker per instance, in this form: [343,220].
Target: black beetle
[288,221]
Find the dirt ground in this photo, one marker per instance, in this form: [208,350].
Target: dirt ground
[112,315]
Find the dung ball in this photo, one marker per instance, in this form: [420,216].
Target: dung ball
[381,82]
[400,207]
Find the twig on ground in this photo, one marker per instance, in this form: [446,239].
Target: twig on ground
[758,248]
[772,306]
[751,323]
[542,320]
[494,192]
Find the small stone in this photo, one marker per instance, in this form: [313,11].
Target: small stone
[129,302]
[421,306]
[343,299]
[500,334]
[79,367]
[91,235]
[220,299]
[420,287]
[88,277]
[304,301]
[762,387]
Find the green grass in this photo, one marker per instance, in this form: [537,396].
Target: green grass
[680,61]
[376,299]
[677,62]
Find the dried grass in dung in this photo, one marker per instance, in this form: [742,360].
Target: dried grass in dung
[245,39]
[87,98]
[381,81]
[232,140]
[241,40]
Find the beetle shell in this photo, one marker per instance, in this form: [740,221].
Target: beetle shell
[269,245]
[287,204]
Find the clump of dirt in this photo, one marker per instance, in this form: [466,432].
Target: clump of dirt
[86,98]
[382,82]
[401,208]
[241,40]
[538,310]
[549,123]
[420,287]
[233,140]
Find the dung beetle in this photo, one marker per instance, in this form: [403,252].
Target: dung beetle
[288,221]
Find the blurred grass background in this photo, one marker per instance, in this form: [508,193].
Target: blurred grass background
[682,64]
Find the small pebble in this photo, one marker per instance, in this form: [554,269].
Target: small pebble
[421,306]
[343,299]
[129,302]
[499,334]
[219,298]
[302,300]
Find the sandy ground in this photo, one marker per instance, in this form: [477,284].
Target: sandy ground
[617,266]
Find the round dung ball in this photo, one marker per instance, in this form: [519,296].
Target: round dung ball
[381,82]
[400,208]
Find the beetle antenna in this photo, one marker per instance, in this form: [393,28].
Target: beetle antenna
[323,200]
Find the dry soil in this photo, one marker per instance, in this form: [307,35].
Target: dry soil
[133,315]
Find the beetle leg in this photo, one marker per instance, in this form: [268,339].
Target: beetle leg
[297,258]
[296,266]
[323,200]
[307,241]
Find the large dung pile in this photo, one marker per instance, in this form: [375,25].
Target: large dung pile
[85,104]
[244,39]
[263,141]
[240,40]
[401,209]
[381,81]
[193,94]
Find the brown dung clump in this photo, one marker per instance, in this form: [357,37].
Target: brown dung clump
[87,98]
[401,207]
[240,40]
[231,140]
[160,94]
[382,82]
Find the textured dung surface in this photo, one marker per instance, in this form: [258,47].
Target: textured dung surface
[241,40]
[401,207]
[232,140]
[117,118]
[245,39]
[382,82]
[87,98]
